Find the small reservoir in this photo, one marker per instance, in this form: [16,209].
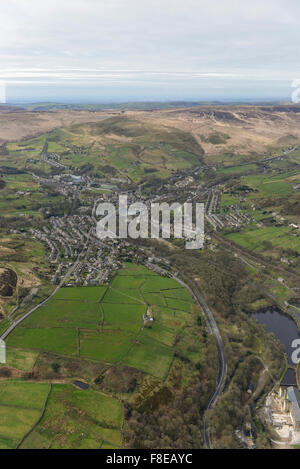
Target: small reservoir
[283,327]
[81,385]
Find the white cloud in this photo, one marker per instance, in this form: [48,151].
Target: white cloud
[84,40]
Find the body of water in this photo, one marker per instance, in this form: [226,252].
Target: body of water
[283,327]
[81,385]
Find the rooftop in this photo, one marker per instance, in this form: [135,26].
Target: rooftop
[293,394]
[296,411]
[294,398]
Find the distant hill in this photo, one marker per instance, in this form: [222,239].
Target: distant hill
[119,147]
[5,108]
[144,106]
[231,133]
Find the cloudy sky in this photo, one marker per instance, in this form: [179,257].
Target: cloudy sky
[120,50]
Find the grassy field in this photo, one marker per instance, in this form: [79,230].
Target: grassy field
[21,406]
[106,323]
[36,415]
[253,238]
[91,294]
[227,200]
[23,196]
[242,169]
[269,185]
[20,359]
[77,419]
[273,206]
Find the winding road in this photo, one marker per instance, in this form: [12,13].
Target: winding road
[213,328]
[222,357]
[22,318]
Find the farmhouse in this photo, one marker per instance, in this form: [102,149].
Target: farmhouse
[148,318]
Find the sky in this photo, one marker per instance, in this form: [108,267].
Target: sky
[139,50]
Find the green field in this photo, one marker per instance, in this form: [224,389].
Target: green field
[268,185]
[272,192]
[253,238]
[21,406]
[23,196]
[76,419]
[20,359]
[237,169]
[106,323]
[227,200]
[36,415]
[86,294]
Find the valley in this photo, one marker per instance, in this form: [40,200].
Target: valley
[164,337]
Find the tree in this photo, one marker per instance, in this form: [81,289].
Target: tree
[55,367]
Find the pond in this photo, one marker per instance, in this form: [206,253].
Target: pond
[81,385]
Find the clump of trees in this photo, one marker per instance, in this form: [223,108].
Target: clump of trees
[170,414]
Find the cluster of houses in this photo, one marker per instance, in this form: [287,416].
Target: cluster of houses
[233,217]
[68,238]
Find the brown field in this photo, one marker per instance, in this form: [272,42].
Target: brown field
[252,129]
[18,125]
